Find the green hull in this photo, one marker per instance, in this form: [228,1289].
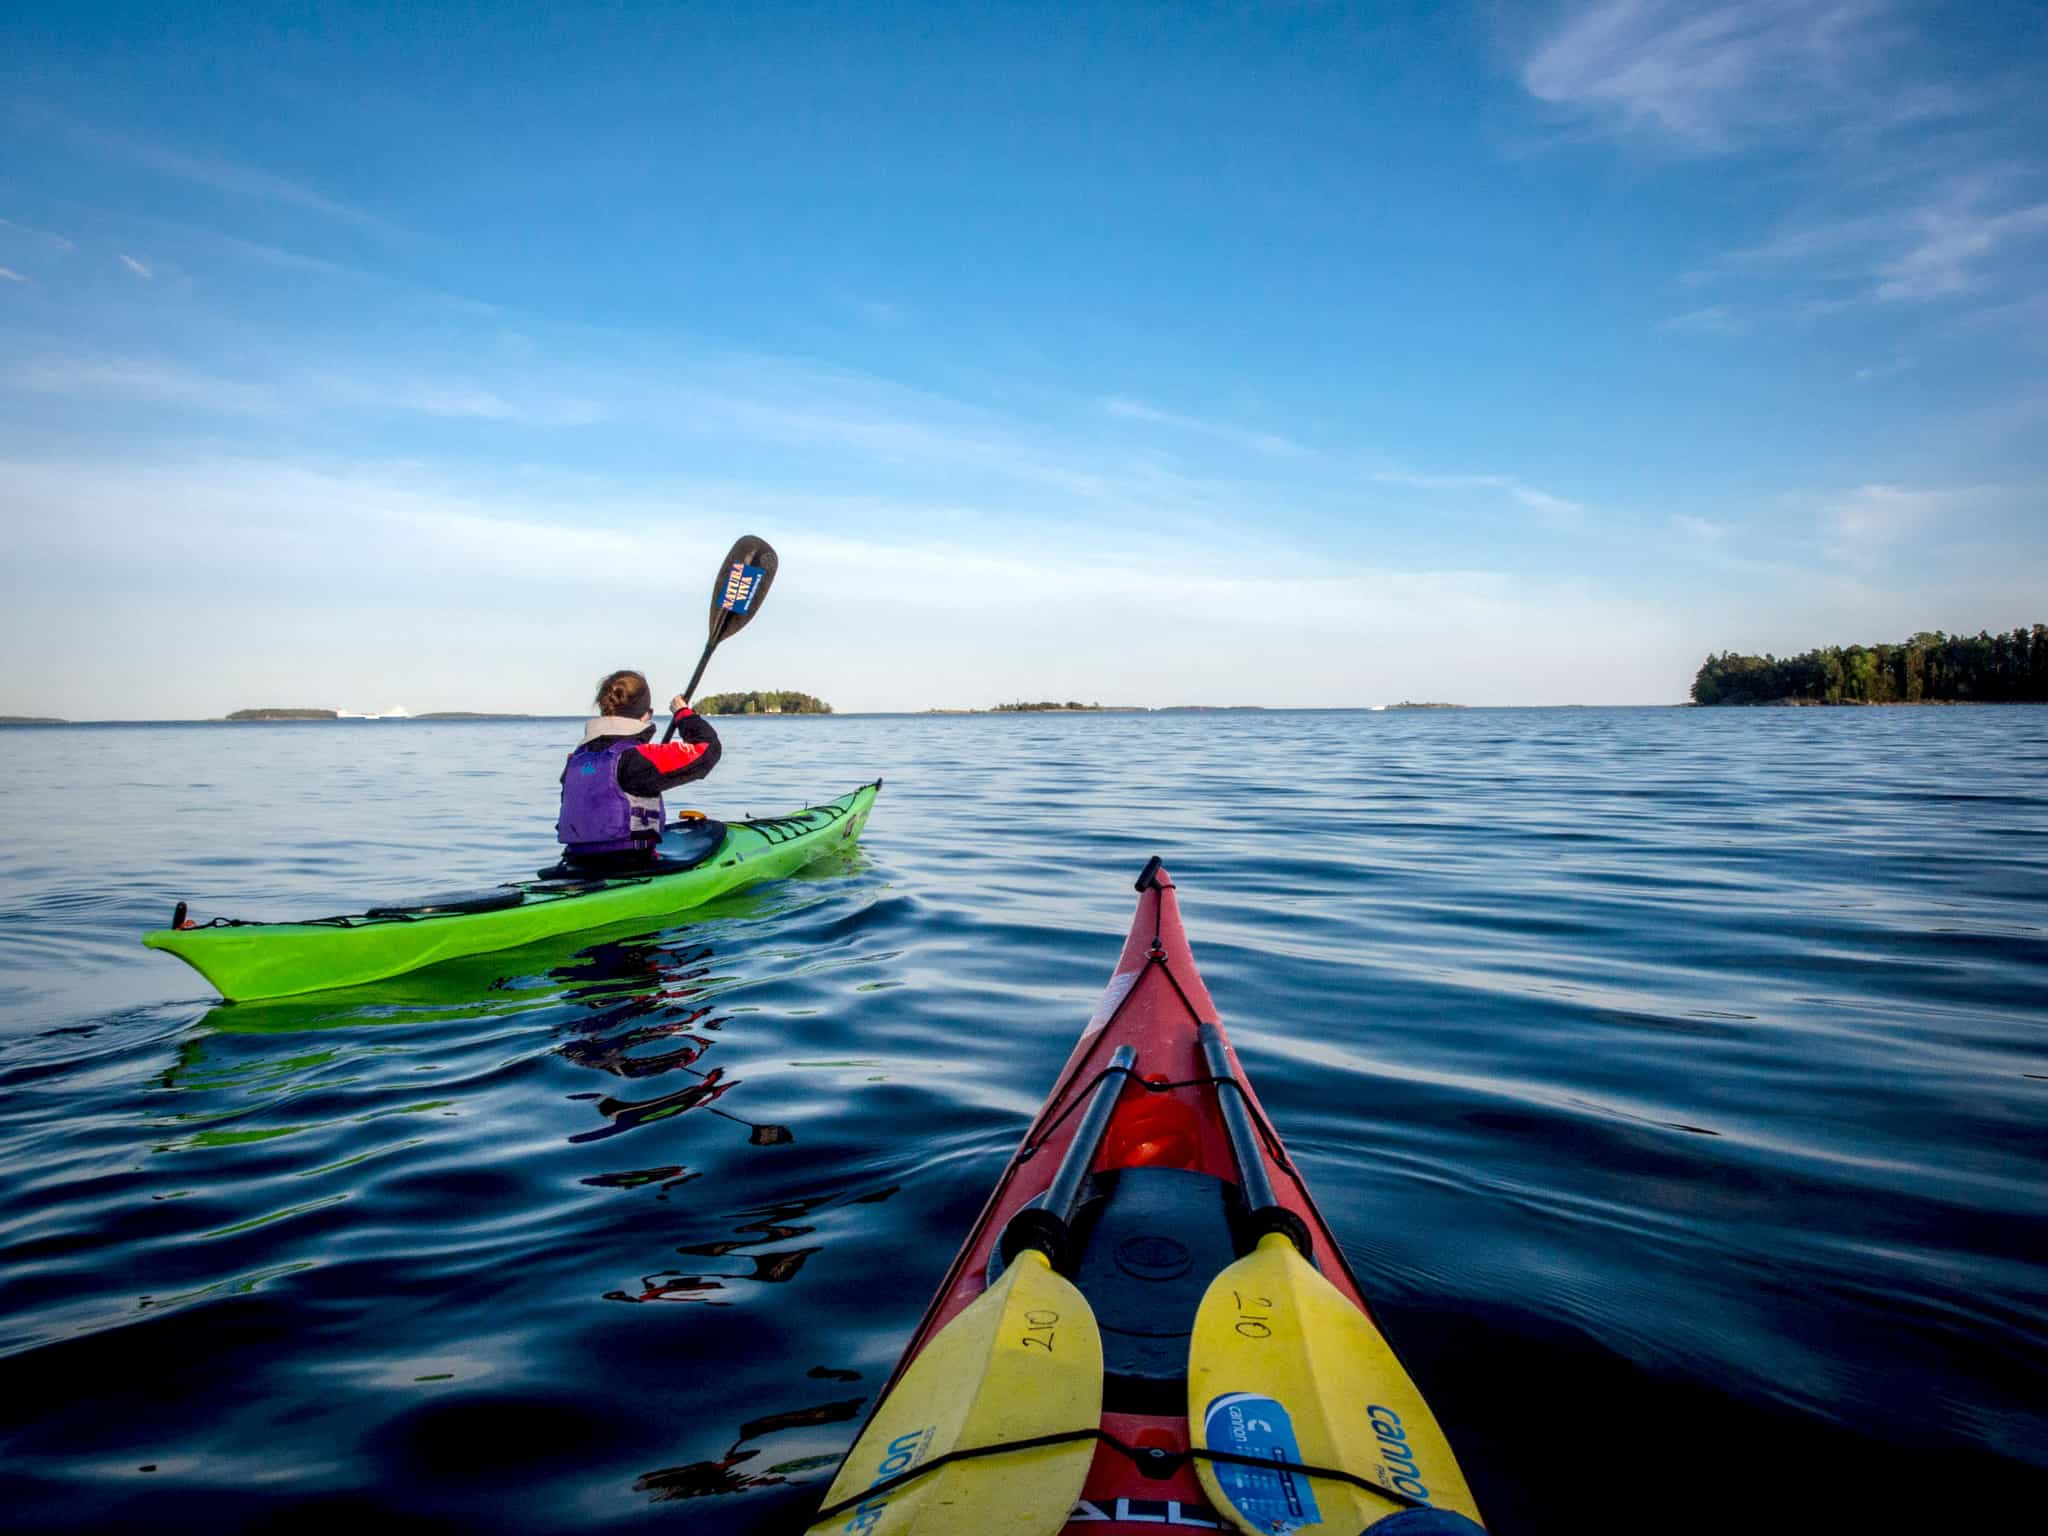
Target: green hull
[256,960]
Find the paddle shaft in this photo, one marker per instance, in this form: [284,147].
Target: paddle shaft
[696,677]
[1047,1223]
[1237,1121]
[1064,1193]
[703,661]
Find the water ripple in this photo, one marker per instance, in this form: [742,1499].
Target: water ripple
[1676,1081]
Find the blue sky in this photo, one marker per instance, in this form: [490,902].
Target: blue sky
[355,355]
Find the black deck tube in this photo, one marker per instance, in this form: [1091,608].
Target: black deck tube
[1045,1224]
[1263,1212]
[1244,1146]
[1064,1193]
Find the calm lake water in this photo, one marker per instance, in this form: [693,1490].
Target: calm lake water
[1677,1081]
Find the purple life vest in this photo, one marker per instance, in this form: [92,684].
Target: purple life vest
[598,816]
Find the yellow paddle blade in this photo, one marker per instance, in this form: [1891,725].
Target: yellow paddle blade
[1284,1368]
[1024,1359]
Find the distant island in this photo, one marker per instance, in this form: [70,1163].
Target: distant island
[1049,706]
[1429,704]
[1930,668]
[32,720]
[285,714]
[773,702]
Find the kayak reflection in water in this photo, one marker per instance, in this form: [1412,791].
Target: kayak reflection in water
[612,817]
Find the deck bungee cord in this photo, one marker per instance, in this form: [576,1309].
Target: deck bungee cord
[1152,1461]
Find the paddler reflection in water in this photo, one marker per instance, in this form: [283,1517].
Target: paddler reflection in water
[612,817]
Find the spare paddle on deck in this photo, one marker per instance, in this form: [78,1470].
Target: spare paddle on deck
[1283,1368]
[737,593]
[1024,1360]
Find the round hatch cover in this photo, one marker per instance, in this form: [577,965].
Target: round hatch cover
[1153,1256]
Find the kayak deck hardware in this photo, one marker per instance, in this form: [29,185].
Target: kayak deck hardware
[1213,1078]
[1195,1212]
[1264,1211]
[1048,1226]
[1152,1460]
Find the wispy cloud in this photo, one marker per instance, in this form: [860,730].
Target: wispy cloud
[237,249]
[857,424]
[1902,187]
[1944,242]
[1884,513]
[1527,495]
[988,614]
[1701,530]
[222,174]
[241,180]
[1271,444]
[456,399]
[289,388]
[2026,318]
[140,269]
[244,181]
[149,380]
[9,275]
[1891,367]
[1949,247]
[1926,523]
[1715,77]
[903,430]
[1712,320]
[55,242]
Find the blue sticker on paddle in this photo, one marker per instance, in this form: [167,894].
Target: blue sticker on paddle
[741,583]
[1270,1499]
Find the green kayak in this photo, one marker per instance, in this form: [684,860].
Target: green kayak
[248,960]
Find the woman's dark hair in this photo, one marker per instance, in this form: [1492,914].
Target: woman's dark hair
[624,694]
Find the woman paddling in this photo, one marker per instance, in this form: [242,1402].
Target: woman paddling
[612,815]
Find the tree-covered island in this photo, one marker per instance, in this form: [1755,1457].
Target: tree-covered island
[284,714]
[1051,707]
[1930,668]
[783,701]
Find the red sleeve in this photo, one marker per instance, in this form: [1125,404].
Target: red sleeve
[672,756]
[654,769]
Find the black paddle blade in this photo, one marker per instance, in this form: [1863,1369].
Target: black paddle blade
[741,586]
[737,593]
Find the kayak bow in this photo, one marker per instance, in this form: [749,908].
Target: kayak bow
[1150,1324]
[248,960]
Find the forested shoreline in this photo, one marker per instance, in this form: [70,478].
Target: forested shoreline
[783,701]
[1930,668]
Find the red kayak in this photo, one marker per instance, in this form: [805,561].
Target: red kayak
[1150,1325]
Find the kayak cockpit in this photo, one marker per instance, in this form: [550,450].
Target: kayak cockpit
[684,845]
[1152,1244]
